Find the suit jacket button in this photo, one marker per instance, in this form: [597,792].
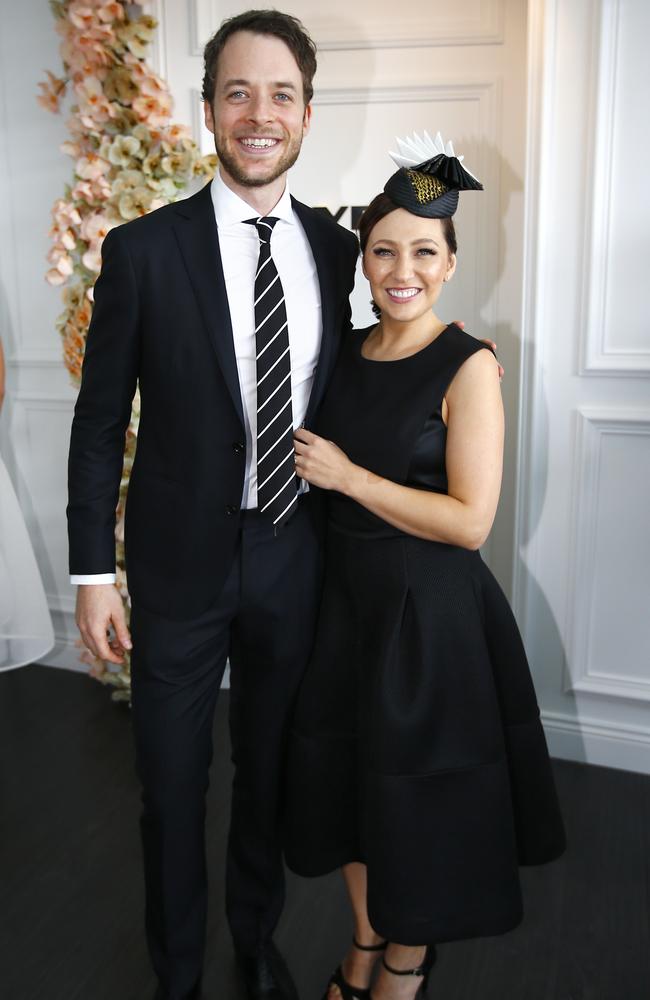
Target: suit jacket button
[230,509]
[238,447]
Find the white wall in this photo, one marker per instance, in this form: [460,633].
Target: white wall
[582,587]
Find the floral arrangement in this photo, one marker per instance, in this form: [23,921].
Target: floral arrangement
[129,158]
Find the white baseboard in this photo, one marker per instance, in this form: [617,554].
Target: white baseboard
[626,748]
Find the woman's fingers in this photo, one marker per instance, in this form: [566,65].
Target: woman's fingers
[302,434]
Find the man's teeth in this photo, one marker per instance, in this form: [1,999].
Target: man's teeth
[403,293]
[259,143]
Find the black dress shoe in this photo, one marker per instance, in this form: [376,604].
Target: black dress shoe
[266,974]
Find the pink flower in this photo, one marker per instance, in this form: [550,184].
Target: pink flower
[68,239]
[155,111]
[111,11]
[152,86]
[70,148]
[65,214]
[91,167]
[54,277]
[52,92]
[95,227]
[81,15]
[92,260]
[64,265]
[82,191]
[176,133]
[93,102]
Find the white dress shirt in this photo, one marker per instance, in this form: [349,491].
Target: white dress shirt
[239,245]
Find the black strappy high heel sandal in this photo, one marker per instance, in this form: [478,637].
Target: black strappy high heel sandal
[423,970]
[347,991]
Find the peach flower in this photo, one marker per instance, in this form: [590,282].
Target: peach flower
[54,277]
[71,149]
[111,11]
[65,214]
[154,110]
[68,239]
[95,227]
[93,103]
[81,15]
[64,265]
[92,260]
[178,133]
[91,167]
[52,92]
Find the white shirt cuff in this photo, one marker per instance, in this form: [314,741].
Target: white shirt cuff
[94,578]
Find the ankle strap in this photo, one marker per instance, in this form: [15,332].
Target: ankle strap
[369,947]
[420,971]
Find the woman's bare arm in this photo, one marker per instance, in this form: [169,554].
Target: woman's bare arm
[474,458]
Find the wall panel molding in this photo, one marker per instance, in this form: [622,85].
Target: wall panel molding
[448,27]
[593,425]
[596,356]
[156,8]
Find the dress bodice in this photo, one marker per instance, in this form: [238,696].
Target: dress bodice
[387,417]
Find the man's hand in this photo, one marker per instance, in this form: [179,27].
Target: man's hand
[490,343]
[99,606]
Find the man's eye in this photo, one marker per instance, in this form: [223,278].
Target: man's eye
[237,93]
[283,97]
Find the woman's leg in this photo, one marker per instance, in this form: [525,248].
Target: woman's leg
[389,986]
[357,965]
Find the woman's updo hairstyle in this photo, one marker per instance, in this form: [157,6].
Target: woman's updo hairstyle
[378,209]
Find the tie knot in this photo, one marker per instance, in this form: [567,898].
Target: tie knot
[264,226]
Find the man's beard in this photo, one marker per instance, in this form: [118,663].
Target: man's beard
[234,170]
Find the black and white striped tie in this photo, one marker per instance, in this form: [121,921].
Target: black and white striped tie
[277,483]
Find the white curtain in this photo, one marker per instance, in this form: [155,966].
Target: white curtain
[26,632]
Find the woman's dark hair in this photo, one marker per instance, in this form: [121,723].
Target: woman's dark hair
[381,206]
[378,209]
[262,22]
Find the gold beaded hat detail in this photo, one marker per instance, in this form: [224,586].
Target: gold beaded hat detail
[429,177]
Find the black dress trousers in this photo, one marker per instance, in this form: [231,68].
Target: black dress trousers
[264,620]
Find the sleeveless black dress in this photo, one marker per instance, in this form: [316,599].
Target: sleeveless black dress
[416,744]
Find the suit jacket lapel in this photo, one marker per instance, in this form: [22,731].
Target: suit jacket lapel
[196,231]
[317,237]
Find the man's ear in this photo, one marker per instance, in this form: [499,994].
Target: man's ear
[208,116]
[306,121]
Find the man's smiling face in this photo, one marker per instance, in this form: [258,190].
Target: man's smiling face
[258,116]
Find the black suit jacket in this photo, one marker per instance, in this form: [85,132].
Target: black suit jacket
[161,319]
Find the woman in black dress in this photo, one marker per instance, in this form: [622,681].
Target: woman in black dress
[417,760]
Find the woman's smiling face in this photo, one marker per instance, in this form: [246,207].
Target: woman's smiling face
[406,261]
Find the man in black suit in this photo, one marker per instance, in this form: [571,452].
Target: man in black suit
[212,573]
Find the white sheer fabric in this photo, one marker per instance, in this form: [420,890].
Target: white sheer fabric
[26,632]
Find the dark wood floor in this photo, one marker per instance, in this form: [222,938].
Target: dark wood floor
[71,886]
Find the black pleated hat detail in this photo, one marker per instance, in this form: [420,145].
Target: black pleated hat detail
[429,177]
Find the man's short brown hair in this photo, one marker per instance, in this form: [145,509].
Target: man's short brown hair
[262,22]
